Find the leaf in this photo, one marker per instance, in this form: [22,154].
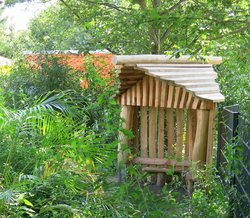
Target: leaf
[27,202]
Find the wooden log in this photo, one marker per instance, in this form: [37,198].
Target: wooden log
[152,130]
[146,59]
[200,142]
[144,132]
[170,131]
[179,135]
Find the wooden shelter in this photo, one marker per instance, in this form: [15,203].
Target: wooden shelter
[169,104]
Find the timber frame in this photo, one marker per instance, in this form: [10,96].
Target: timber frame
[169,105]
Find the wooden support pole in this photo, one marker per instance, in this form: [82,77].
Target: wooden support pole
[200,142]
[126,112]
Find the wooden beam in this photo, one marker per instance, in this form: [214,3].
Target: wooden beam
[144,132]
[152,130]
[170,131]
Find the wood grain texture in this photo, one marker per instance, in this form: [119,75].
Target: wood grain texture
[144,132]
[152,130]
[160,132]
[170,131]
[179,135]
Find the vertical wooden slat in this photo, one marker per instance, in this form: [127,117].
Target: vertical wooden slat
[135,131]
[189,100]
[163,93]
[152,128]
[210,135]
[151,91]
[176,96]
[170,130]
[144,132]
[122,153]
[189,135]
[157,92]
[123,99]
[179,135]
[129,99]
[183,99]
[161,133]
[195,103]
[138,93]
[170,96]
[145,91]
[200,142]
[134,95]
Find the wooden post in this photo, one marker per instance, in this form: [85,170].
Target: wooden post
[200,142]
[123,144]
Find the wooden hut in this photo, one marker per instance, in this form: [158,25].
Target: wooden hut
[169,104]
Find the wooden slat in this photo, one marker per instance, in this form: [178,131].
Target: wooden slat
[145,91]
[189,135]
[128,97]
[123,99]
[144,132]
[160,161]
[151,91]
[170,131]
[179,135]
[200,142]
[170,96]
[183,99]
[195,103]
[163,170]
[157,92]
[133,89]
[161,133]
[163,93]
[189,100]
[152,128]
[135,131]
[176,96]
[210,136]
[138,93]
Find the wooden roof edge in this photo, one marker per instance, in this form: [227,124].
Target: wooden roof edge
[154,59]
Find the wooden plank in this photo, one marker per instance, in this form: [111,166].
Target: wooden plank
[163,93]
[123,140]
[152,130]
[200,142]
[163,170]
[145,91]
[189,100]
[123,99]
[133,90]
[160,161]
[189,136]
[144,132]
[179,135]
[157,92]
[183,99]
[170,96]
[135,131]
[138,93]
[161,133]
[176,96]
[170,131]
[128,97]
[151,91]
[195,103]
[210,136]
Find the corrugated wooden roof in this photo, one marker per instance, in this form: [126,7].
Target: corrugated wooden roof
[192,75]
